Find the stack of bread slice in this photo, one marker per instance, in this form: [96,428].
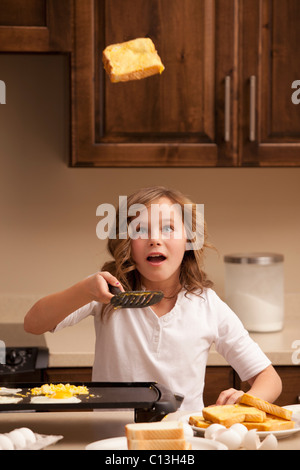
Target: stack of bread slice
[252,412]
[162,435]
[131,60]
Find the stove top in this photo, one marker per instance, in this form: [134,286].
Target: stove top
[21,352]
[24,359]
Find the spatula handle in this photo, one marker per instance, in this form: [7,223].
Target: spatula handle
[114,290]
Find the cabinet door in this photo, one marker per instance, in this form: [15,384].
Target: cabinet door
[217,379]
[269,68]
[76,374]
[35,25]
[176,119]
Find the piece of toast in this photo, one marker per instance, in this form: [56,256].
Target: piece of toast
[271,423]
[227,415]
[131,60]
[265,406]
[199,422]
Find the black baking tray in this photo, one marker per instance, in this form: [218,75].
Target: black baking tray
[150,400]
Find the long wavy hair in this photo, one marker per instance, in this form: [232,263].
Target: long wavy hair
[192,276]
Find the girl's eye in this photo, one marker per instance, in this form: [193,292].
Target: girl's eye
[167,229]
[142,230]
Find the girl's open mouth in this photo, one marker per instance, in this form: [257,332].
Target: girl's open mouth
[156,259]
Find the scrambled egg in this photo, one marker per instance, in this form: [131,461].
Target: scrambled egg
[60,390]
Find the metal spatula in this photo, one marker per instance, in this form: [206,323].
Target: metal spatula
[134,299]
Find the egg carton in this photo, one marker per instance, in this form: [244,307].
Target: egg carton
[25,439]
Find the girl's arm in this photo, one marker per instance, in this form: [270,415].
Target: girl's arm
[266,385]
[47,312]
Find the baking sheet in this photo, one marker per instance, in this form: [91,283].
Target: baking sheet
[101,395]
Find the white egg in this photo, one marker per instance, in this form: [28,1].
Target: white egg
[212,429]
[17,439]
[269,443]
[230,438]
[5,443]
[28,434]
[240,429]
[251,440]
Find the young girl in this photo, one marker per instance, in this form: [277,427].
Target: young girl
[168,342]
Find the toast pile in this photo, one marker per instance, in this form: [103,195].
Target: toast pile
[131,60]
[252,412]
[162,435]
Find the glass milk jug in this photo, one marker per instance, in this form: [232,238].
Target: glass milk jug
[254,289]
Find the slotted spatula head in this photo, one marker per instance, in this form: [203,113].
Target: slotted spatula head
[134,299]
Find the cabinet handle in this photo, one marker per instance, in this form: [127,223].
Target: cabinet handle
[252,125]
[227,110]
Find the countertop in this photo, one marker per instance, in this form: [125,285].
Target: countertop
[74,346]
[82,428]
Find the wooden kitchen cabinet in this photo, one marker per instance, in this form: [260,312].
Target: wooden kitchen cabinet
[217,379]
[269,64]
[35,26]
[229,95]
[68,374]
[175,119]
[224,99]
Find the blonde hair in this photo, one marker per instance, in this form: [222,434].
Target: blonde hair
[192,277]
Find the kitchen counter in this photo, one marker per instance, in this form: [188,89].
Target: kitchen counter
[74,346]
[84,427]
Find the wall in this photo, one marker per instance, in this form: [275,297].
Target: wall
[48,210]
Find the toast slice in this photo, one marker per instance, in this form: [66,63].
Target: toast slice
[227,415]
[271,423]
[157,444]
[267,407]
[199,422]
[131,60]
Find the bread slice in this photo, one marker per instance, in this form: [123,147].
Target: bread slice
[266,406]
[271,423]
[131,60]
[199,422]
[227,415]
[157,444]
[156,430]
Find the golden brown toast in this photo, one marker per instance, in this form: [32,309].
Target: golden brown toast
[231,414]
[271,423]
[199,422]
[131,60]
[266,406]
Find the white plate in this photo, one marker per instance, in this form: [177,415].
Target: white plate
[120,443]
[279,434]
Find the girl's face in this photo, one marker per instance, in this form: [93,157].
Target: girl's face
[159,243]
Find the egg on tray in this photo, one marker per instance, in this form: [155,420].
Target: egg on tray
[18,439]
[9,391]
[9,400]
[60,393]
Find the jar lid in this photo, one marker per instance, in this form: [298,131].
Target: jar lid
[254,258]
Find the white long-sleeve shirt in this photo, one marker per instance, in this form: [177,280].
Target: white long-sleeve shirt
[135,345]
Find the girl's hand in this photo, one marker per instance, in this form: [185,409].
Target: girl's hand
[229,397]
[98,286]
